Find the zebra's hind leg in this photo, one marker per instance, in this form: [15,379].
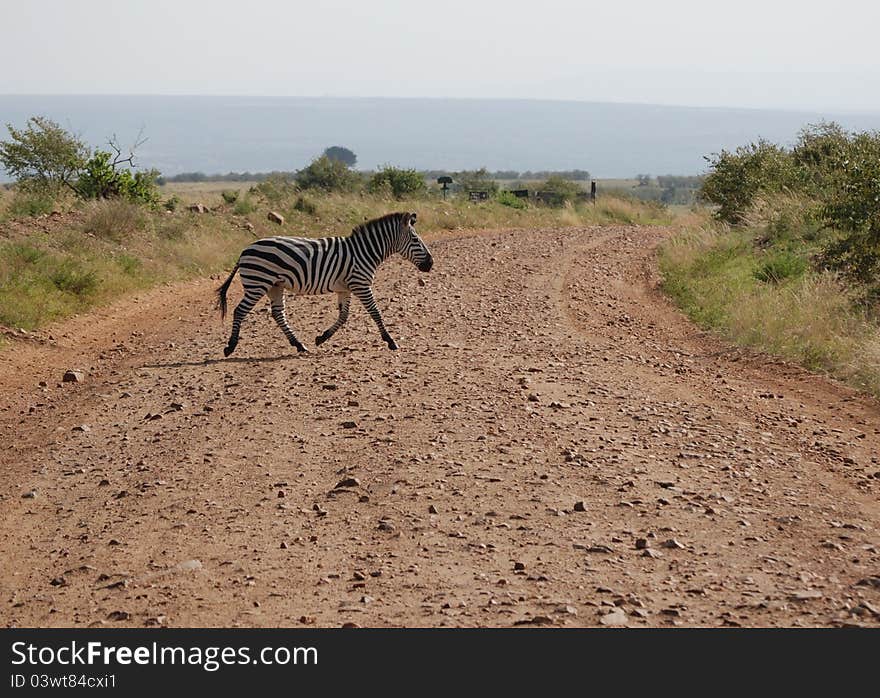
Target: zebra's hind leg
[251,296]
[344,301]
[276,294]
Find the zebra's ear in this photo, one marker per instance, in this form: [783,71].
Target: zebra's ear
[412,218]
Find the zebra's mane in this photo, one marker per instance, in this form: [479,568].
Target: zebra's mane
[377,224]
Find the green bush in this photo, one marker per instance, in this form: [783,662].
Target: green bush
[476,180]
[327,175]
[70,277]
[736,178]
[305,205]
[101,178]
[230,196]
[561,190]
[30,203]
[853,209]
[397,182]
[275,188]
[507,198]
[171,203]
[244,205]
[780,266]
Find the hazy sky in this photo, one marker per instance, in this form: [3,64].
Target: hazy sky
[754,53]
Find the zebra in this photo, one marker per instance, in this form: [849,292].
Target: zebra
[342,265]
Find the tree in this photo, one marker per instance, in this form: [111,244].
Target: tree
[103,176]
[340,154]
[43,156]
[397,182]
[329,175]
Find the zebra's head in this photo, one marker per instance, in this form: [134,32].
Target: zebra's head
[410,246]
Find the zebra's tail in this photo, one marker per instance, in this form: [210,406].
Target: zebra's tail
[221,292]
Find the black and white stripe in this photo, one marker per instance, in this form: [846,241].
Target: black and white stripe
[345,266]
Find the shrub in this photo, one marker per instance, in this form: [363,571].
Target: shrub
[31,203]
[101,178]
[171,203]
[244,206]
[305,205]
[114,219]
[506,198]
[737,178]
[275,188]
[853,209]
[562,191]
[70,277]
[780,266]
[398,182]
[328,175]
[476,180]
[230,196]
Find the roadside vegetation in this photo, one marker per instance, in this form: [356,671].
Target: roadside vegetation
[81,227]
[790,262]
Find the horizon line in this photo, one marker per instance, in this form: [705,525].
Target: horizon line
[790,110]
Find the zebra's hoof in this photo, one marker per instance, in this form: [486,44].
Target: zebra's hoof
[392,345]
[228,350]
[320,339]
[300,348]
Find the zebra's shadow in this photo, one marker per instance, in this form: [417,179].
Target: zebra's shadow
[230,360]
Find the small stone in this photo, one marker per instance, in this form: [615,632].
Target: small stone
[432,510]
[118,615]
[349,425]
[641,543]
[617,617]
[347,482]
[187,566]
[276,217]
[32,494]
[805,595]
[350,624]
[73,376]
[649,552]
[580,506]
[600,548]
[672,544]
[386,526]
[85,428]
[519,566]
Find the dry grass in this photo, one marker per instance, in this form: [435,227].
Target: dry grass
[809,318]
[109,248]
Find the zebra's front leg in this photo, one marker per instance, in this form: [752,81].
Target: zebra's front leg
[344,301]
[276,294]
[365,295]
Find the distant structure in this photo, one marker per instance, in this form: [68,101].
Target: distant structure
[444,183]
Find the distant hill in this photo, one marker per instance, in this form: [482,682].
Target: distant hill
[259,134]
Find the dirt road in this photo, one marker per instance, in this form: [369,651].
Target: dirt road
[553,444]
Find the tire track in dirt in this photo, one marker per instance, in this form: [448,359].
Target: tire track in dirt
[436,485]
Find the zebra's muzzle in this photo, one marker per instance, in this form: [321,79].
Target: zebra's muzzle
[426,265]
